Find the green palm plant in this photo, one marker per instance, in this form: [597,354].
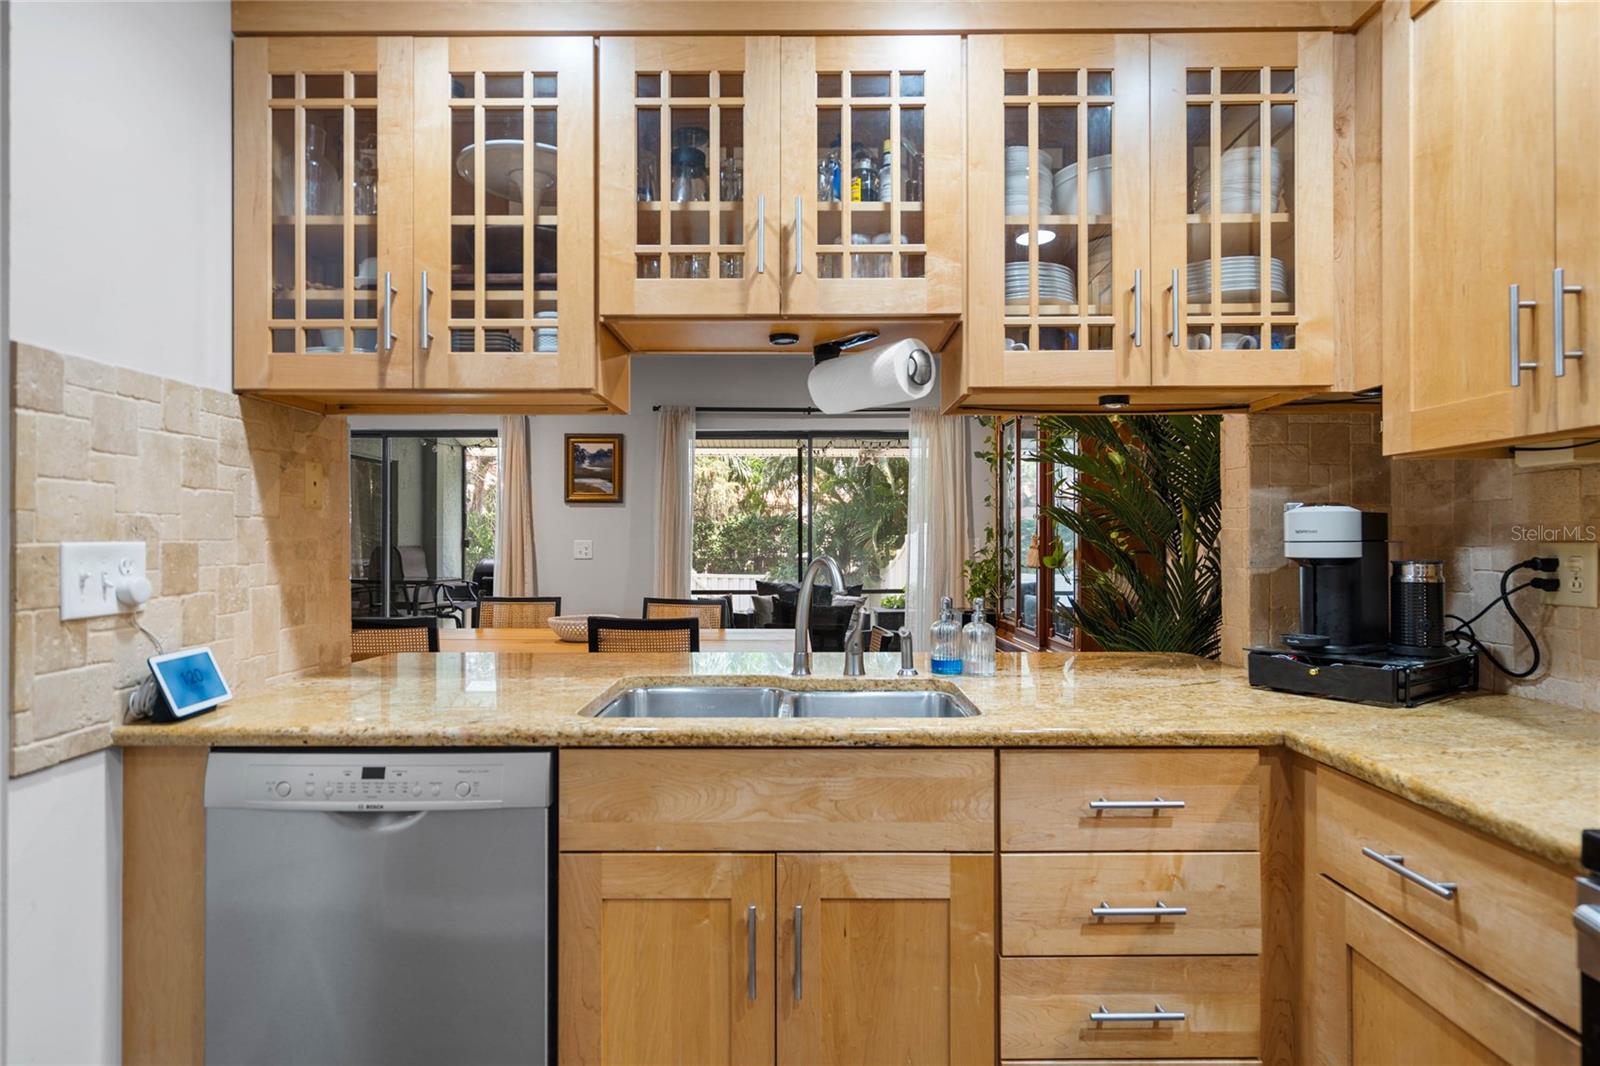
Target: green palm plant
[1147,498]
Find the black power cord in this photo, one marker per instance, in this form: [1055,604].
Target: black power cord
[1464,632]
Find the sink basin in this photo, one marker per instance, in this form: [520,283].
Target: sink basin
[695,701]
[748,701]
[881,703]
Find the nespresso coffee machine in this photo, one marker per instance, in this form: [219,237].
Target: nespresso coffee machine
[1343,647]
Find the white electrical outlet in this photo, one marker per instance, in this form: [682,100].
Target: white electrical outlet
[583,549]
[91,572]
[1577,573]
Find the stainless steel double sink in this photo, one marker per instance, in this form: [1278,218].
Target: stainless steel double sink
[752,701]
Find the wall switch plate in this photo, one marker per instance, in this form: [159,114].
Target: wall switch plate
[1577,573]
[583,549]
[91,572]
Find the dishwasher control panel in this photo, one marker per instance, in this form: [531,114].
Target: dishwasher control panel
[377,781]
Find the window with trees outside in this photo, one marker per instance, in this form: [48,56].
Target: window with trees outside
[764,504]
[1038,559]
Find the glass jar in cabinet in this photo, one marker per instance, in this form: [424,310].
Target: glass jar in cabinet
[504,168]
[689,133]
[322,189]
[1242,208]
[887,238]
[1058,194]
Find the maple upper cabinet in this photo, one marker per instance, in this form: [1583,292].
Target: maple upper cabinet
[872,159]
[322,218]
[414,224]
[503,232]
[1055,263]
[1149,216]
[1241,209]
[689,131]
[1490,171]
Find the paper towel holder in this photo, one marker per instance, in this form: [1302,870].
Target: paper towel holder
[825,350]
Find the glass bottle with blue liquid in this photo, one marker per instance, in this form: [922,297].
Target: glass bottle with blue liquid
[945,646]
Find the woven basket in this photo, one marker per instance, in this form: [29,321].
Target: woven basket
[573,628]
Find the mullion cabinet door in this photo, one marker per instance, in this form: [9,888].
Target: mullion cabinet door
[322,215]
[1058,243]
[504,166]
[873,175]
[689,176]
[1241,208]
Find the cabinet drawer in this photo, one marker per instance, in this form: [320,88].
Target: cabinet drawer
[1046,797]
[1047,903]
[1510,915]
[1045,1008]
[776,800]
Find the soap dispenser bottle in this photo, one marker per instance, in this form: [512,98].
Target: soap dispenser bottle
[945,646]
[977,643]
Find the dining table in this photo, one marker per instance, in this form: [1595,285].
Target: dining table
[545,640]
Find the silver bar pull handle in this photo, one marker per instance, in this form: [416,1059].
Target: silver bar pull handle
[1517,363]
[1559,291]
[1157,1015]
[1138,308]
[1396,863]
[388,311]
[1157,804]
[799,953]
[1160,910]
[761,234]
[799,240]
[750,951]
[425,338]
[1172,332]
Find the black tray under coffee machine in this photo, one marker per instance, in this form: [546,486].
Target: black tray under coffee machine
[1361,637]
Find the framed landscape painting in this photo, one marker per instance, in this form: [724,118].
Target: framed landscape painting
[594,468]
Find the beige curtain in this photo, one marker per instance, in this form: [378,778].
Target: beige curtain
[515,569]
[674,502]
[939,516]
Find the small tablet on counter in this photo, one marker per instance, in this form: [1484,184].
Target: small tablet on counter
[190,682]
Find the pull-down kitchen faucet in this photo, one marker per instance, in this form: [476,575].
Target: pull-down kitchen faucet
[802,612]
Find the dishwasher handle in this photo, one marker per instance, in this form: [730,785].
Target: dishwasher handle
[377,821]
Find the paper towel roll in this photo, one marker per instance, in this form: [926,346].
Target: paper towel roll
[879,378]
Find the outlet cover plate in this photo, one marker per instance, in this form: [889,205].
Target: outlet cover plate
[90,573]
[1579,579]
[583,549]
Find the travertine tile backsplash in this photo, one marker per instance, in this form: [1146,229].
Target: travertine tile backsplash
[1478,515]
[242,555]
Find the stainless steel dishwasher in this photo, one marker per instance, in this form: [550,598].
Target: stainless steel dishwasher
[377,907]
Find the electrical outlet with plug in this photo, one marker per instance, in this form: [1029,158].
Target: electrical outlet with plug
[1576,571]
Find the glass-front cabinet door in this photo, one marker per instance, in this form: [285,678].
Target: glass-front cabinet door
[1058,240]
[504,172]
[322,214]
[1242,208]
[873,175]
[689,155]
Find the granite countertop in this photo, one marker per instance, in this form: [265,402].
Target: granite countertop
[1524,771]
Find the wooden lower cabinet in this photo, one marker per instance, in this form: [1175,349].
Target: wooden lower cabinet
[1385,997]
[751,958]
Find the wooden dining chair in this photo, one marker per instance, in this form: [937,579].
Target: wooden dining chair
[644,634]
[714,612]
[881,639]
[515,612]
[371,637]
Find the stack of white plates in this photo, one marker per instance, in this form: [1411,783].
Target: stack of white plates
[544,340]
[1017,181]
[494,340]
[1241,278]
[1241,181]
[1066,186]
[1056,283]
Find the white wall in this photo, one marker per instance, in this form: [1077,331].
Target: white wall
[120,152]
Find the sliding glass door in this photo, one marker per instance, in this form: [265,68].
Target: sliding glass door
[766,503]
